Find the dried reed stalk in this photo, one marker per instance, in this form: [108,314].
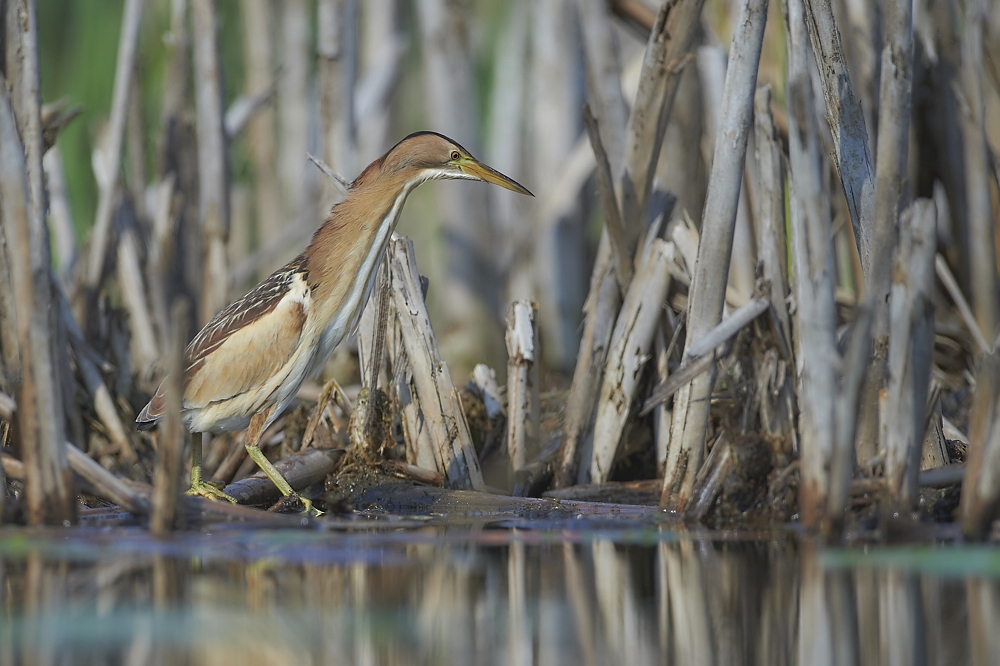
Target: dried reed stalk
[890,179]
[454,453]
[170,445]
[110,153]
[708,287]
[213,170]
[258,54]
[812,263]
[41,419]
[911,344]
[523,409]
[980,223]
[847,123]
[631,341]
[981,487]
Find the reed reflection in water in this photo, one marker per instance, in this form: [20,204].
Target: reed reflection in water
[489,597]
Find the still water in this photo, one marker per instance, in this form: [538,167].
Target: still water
[409,592]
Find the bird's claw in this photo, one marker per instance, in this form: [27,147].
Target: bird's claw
[308,508]
[210,490]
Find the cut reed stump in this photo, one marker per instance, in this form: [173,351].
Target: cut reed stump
[522,382]
[454,454]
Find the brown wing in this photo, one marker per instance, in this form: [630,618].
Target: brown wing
[229,356]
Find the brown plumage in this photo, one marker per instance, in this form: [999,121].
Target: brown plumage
[253,356]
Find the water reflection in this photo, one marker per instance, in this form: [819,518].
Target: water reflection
[435,596]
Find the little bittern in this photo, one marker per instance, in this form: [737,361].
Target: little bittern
[248,363]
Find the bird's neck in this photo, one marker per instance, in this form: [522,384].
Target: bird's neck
[349,246]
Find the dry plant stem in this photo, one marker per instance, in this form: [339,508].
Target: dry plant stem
[890,178]
[982,252]
[727,328]
[111,151]
[604,81]
[64,235]
[522,381]
[663,417]
[631,341]
[893,144]
[336,81]
[669,42]
[106,484]
[301,471]
[769,207]
[454,453]
[618,234]
[41,419]
[842,462]
[847,123]
[600,311]
[981,487]
[131,281]
[812,264]
[104,405]
[911,343]
[717,467]
[951,285]
[213,172]
[10,354]
[258,48]
[170,446]
[708,289]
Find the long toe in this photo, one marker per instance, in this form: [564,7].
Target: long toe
[211,491]
[308,508]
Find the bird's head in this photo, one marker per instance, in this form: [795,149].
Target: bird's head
[429,156]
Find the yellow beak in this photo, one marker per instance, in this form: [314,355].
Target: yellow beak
[491,175]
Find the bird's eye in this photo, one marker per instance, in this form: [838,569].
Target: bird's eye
[455,155]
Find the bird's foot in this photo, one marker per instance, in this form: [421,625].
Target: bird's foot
[290,503]
[212,491]
[308,508]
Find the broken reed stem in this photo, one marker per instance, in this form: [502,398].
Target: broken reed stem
[708,288]
[105,484]
[170,445]
[855,365]
[213,172]
[454,453]
[132,283]
[951,286]
[600,311]
[890,179]
[618,233]
[522,381]
[982,249]
[981,486]
[377,350]
[847,124]
[812,272]
[111,151]
[911,343]
[769,207]
[631,341]
[670,42]
[41,420]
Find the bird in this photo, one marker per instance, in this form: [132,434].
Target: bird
[247,364]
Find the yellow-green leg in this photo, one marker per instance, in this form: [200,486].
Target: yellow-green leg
[199,487]
[252,441]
